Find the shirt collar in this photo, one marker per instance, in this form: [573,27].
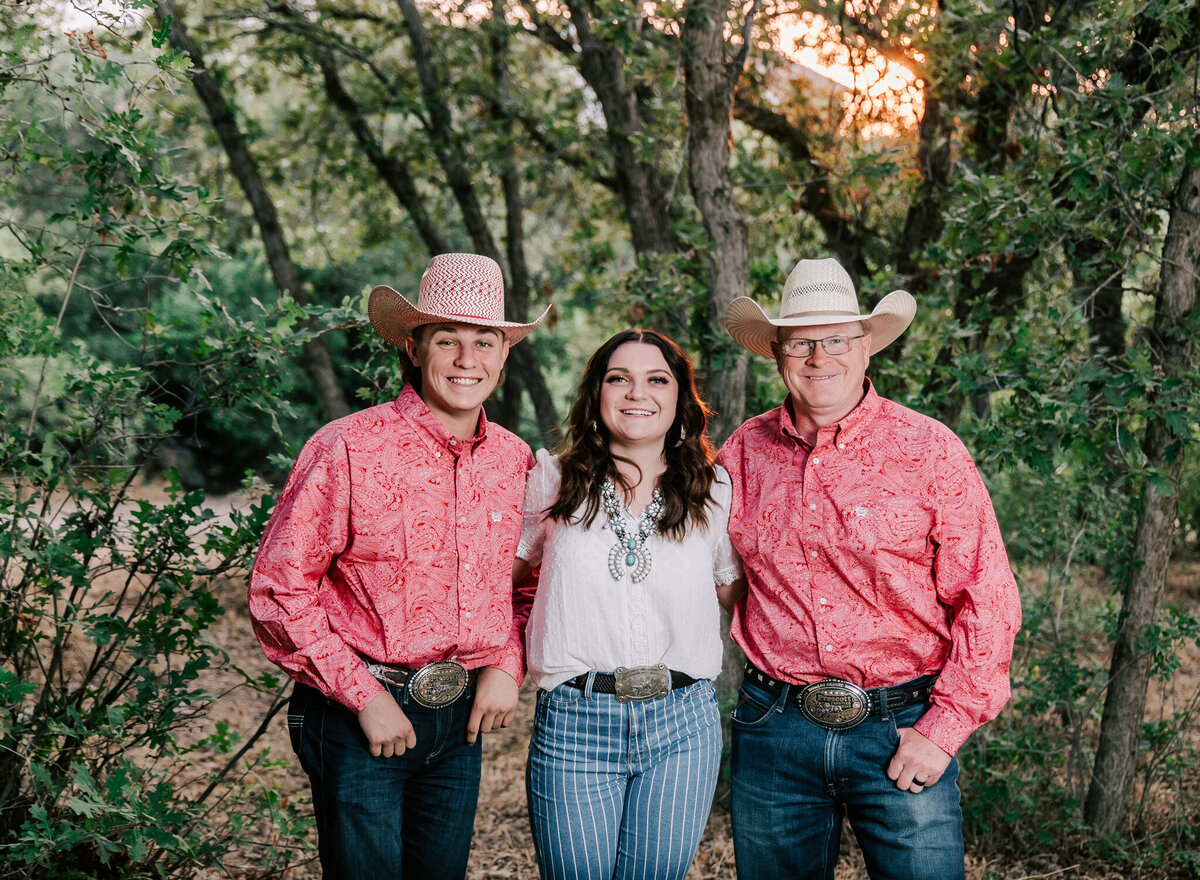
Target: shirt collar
[413,409]
[846,430]
[787,424]
[855,422]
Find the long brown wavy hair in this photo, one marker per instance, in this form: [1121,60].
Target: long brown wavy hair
[588,461]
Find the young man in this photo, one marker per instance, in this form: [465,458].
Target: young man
[383,587]
[880,613]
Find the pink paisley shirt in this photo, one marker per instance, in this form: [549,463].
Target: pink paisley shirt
[392,540]
[874,557]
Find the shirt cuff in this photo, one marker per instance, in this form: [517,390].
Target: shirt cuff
[511,660]
[527,549]
[726,576]
[944,730]
[359,689]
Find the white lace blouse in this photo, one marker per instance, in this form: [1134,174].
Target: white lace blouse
[583,619]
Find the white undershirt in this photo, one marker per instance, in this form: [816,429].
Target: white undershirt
[583,619]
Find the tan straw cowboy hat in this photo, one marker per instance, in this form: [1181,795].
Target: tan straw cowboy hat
[459,288]
[818,292]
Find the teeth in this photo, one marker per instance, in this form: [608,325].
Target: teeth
[464,381]
[637,412]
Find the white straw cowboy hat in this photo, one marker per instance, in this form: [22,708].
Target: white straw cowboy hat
[818,292]
[459,288]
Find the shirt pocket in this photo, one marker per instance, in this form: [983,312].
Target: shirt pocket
[896,525]
[767,523]
[505,523]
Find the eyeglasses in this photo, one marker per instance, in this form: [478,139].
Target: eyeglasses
[802,348]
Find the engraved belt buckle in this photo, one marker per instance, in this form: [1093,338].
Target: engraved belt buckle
[637,684]
[438,684]
[834,704]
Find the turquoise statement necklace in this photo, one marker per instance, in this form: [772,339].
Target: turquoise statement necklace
[630,554]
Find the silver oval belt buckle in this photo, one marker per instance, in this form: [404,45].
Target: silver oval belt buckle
[438,684]
[834,704]
[637,684]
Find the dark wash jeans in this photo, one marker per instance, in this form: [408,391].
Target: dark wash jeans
[792,781]
[407,816]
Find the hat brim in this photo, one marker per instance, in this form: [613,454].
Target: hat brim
[749,325]
[394,318]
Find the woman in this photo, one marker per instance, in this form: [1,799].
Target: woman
[628,527]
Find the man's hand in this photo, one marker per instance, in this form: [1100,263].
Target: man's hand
[496,696]
[388,730]
[918,762]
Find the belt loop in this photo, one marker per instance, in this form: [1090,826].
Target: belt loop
[882,693]
[587,685]
[782,702]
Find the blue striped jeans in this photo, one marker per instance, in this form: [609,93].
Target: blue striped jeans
[621,790]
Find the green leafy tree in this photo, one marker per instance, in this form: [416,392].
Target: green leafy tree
[106,767]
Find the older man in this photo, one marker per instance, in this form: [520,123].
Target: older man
[880,615]
[383,587]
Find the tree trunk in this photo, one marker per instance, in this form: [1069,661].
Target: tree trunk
[524,370]
[997,295]
[709,85]
[317,361]
[638,182]
[1129,675]
[844,238]
[393,171]
[924,221]
[603,62]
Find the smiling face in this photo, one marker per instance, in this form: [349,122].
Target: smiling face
[460,366]
[638,397]
[824,387]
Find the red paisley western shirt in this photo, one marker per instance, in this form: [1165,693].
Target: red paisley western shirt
[874,557]
[394,540]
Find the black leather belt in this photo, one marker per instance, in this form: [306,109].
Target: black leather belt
[635,684]
[433,685]
[839,705]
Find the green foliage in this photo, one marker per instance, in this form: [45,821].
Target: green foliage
[1025,774]
[139,332]
[108,595]
[1060,446]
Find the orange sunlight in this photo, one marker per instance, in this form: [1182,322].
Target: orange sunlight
[882,98]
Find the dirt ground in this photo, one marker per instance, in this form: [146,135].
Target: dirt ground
[502,847]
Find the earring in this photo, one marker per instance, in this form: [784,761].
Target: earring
[682,436]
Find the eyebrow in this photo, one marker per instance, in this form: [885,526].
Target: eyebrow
[627,370]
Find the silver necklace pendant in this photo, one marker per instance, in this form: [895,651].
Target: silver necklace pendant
[630,555]
[636,560]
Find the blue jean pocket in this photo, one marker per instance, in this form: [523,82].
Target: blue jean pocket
[753,708]
[295,718]
[906,717]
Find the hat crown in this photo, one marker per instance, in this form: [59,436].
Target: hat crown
[818,292]
[455,288]
[468,286]
[818,287]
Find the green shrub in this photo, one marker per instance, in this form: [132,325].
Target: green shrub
[108,766]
